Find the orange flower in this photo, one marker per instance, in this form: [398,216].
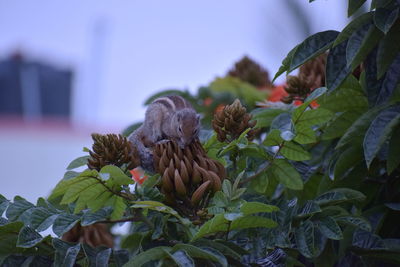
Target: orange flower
[277,92]
[138,175]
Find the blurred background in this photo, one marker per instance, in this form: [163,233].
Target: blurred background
[70,68]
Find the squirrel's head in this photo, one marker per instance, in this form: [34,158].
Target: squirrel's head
[188,126]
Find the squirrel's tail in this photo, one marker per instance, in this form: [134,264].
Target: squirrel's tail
[145,154]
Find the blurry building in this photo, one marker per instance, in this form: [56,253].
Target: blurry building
[34,89]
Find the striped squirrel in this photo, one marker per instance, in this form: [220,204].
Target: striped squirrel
[167,118]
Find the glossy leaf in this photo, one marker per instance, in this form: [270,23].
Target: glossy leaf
[360,43]
[66,253]
[312,47]
[202,253]
[152,254]
[89,217]
[388,49]
[341,124]
[285,63]
[378,132]
[283,123]
[19,210]
[354,5]
[353,26]
[390,81]
[314,117]
[64,223]
[3,204]
[217,224]
[42,218]
[182,259]
[28,237]
[305,239]
[330,228]
[339,195]
[98,257]
[385,18]
[337,69]
[265,116]
[304,134]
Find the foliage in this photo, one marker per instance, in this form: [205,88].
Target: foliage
[320,186]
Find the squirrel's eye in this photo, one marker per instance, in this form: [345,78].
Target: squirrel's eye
[180,129]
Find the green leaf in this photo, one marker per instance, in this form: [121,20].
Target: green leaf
[354,5]
[158,206]
[347,160]
[314,117]
[305,239]
[66,253]
[312,47]
[337,127]
[117,175]
[220,246]
[252,222]
[385,18]
[28,237]
[388,49]
[285,63]
[379,3]
[100,201]
[355,221]
[152,254]
[78,162]
[273,138]
[120,257]
[19,210]
[286,174]
[119,207]
[3,204]
[352,26]
[8,239]
[64,223]
[379,131]
[293,151]
[344,99]
[90,196]
[339,195]
[283,122]
[64,185]
[92,217]
[256,207]
[304,134]
[182,259]
[260,183]
[42,218]
[265,116]
[310,207]
[394,151]
[98,257]
[316,93]
[202,253]
[75,190]
[390,81]
[336,67]
[393,206]
[330,228]
[217,224]
[360,43]
[358,129]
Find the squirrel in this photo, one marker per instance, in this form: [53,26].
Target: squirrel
[167,118]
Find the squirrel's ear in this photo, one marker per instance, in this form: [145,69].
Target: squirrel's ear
[198,117]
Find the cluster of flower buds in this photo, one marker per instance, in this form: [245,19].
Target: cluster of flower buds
[232,121]
[311,76]
[112,149]
[250,71]
[188,175]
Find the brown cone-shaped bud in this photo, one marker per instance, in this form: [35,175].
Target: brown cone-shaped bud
[216,184]
[184,173]
[179,185]
[199,193]
[196,176]
[167,183]
[112,149]
[232,121]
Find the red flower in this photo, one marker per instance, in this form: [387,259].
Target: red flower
[138,175]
